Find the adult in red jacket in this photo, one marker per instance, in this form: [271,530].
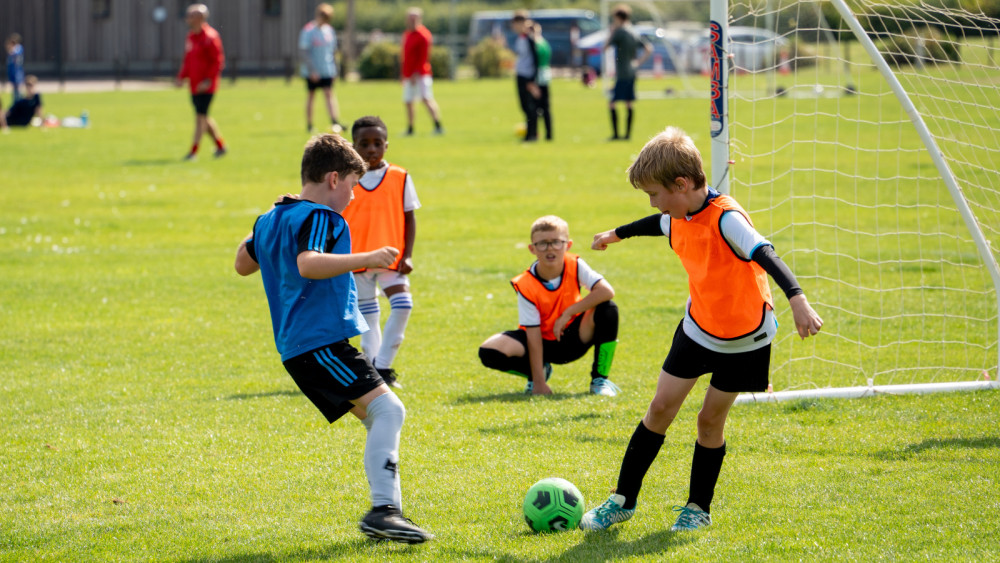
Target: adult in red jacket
[203,62]
[416,69]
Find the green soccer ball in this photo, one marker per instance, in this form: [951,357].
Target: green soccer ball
[553,505]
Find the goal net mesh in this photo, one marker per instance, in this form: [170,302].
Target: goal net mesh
[831,168]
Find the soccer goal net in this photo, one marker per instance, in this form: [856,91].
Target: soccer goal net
[864,139]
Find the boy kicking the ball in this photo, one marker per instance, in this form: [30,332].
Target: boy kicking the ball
[727,328]
[557,325]
[302,249]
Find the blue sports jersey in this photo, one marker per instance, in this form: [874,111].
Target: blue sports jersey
[305,314]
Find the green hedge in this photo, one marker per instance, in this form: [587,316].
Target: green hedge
[382,61]
[491,59]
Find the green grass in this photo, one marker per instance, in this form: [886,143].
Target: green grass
[147,416]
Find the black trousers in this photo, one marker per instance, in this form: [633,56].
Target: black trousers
[529,107]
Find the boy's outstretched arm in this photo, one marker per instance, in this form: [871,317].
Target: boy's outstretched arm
[319,266]
[601,292]
[602,240]
[807,321]
[646,227]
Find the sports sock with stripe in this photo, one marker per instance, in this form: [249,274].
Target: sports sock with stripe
[400,306]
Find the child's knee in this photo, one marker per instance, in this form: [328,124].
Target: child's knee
[493,358]
[400,301]
[387,406]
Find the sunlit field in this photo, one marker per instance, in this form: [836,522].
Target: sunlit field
[146,414]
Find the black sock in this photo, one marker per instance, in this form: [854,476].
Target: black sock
[437,125]
[614,123]
[495,359]
[639,455]
[409,130]
[628,124]
[706,464]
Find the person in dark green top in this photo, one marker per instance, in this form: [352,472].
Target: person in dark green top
[544,52]
[626,42]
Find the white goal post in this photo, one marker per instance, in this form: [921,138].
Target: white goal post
[864,140]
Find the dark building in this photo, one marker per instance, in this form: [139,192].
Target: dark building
[76,38]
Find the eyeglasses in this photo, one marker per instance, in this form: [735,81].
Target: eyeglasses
[544,245]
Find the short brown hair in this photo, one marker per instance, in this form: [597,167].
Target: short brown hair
[666,157]
[520,16]
[327,153]
[622,12]
[550,223]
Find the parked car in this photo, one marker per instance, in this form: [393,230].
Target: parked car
[557,29]
[753,49]
[669,49]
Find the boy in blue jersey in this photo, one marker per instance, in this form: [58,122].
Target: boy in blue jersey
[302,249]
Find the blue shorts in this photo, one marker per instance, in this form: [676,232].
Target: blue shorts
[333,376]
[742,372]
[624,90]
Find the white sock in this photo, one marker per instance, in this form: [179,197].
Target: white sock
[371,341]
[384,422]
[400,306]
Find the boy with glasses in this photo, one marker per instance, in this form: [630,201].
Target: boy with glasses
[557,325]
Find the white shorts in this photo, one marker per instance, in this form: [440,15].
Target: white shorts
[417,87]
[384,278]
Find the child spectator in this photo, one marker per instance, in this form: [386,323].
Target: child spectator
[302,249]
[15,64]
[727,328]
[381,214]
[28,107]
[557,326]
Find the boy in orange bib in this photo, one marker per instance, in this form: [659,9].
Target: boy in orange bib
[381,214]
[557,325]
[726,331]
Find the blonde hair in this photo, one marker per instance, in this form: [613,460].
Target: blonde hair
[550,223]
[324,12]
[666,157]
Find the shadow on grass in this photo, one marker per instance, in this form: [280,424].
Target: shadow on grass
[515,397]
[545,425]
[357,550]
[285,393]
[599,546]
[151,161]
[983,443]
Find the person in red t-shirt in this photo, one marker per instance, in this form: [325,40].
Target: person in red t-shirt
[416,69]
[203,62]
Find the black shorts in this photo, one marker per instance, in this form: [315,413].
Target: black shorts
[201,103]
[563,351]
[333,376]
[624,91]
[321,83]
[733,373]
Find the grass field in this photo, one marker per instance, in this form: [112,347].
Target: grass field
[146,415]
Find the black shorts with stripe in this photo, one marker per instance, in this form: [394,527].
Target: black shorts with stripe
[742,372]
[333,376]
